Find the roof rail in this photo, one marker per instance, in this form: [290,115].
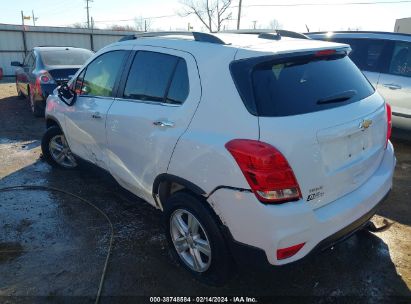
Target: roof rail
[282,33]
[198,36]
[360,32]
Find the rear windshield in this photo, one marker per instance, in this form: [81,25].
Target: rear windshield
[65,57]
[300,85]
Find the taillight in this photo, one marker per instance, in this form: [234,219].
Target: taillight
[45,77]
[389,122]
[266,170]
[284,253]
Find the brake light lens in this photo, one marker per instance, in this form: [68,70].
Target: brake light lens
[389,122]
[325,53]
[285,253]
[266,170]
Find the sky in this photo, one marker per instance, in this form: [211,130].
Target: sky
[331,15]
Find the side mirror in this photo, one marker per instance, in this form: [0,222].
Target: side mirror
[66,95]
[16,64]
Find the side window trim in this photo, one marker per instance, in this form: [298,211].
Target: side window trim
[116,82]
[124,74]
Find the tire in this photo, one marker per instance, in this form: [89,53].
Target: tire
[54,136]
[220,264]
[36,107]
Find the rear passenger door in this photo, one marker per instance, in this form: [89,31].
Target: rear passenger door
[86,120]
[158,96]
[395,82]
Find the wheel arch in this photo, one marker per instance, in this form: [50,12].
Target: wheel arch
[51,121]
[166,184]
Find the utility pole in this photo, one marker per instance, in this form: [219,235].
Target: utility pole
[34,18]
[88,13]
[239,14]
[24,18]
[145,25]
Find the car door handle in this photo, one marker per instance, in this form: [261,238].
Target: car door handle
[392,86]
[168,124]
[96,115]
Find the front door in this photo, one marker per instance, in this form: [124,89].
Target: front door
[86,119]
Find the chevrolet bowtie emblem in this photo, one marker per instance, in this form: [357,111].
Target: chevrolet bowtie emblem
[365,124]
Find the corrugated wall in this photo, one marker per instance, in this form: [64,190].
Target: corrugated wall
[15,40]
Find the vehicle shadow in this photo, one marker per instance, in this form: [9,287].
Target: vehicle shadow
[16,120]
[141,263]
[396,207]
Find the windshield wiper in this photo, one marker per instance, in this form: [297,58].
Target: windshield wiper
[340,97]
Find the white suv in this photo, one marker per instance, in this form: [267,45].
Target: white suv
[257,148]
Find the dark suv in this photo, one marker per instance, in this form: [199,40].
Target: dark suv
[45,68]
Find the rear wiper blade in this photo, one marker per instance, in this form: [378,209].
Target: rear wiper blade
[340,97]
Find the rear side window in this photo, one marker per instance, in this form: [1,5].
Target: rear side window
[101,74]
[301,85]
[367,54]
[157,77]
[401,59]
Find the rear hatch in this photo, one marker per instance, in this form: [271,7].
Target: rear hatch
[321,113]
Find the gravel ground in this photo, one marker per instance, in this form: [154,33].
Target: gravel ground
[54,245]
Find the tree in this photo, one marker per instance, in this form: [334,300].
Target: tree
[79,25]
[211,13]
[274,24]
[122,28]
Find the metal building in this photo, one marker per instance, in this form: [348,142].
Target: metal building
[403,25]
[16,40]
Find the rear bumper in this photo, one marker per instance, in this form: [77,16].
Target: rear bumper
[256,231]
[253,257]
[46,90]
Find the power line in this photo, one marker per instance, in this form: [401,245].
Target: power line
[273,5]
[250,5]
[325,4]
[144,18]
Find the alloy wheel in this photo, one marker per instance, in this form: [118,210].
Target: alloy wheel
[61,152]
[190,240]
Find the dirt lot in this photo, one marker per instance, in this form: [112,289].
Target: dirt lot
[53,245]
